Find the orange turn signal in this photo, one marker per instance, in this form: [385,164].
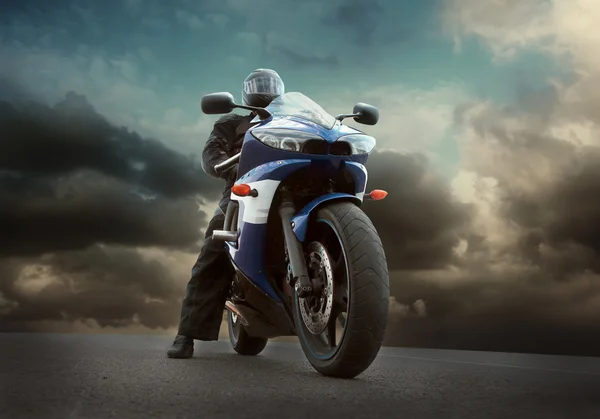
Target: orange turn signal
[377,194]
[241,190]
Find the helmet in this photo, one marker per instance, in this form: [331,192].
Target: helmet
[261,87]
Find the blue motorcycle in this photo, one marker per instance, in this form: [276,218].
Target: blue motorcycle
[308,261]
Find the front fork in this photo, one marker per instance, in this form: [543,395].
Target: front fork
[299,278]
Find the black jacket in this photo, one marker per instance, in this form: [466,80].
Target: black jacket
[224,142]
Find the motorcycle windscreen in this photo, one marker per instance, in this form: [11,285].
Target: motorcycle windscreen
[297,105]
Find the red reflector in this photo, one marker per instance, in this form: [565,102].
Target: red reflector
[241,190]
[377,194]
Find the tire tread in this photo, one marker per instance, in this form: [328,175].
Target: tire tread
[246,345]
[369,293]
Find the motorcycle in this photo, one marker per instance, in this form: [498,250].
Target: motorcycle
[308,261]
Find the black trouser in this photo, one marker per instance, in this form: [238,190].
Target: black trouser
[207,290]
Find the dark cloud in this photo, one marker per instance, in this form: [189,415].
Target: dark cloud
[530,282]
[485,310]
[541,301]
[418,221]
[78,196]
[39,216]
[113,286]
[462,302]
[71,135]
[69,179]
[561,223]
[547,186]
[569,211]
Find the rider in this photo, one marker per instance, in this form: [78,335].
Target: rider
[208,287]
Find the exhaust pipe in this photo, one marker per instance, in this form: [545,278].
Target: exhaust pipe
[230,306]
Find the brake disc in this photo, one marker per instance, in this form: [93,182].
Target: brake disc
[316,310]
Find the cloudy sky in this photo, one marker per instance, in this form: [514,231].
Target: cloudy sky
[488,146]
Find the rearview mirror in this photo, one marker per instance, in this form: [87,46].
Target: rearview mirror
[217,103]
[366,114]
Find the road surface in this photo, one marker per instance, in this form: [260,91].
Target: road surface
[117,376]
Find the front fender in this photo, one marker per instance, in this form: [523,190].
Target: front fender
[300,220]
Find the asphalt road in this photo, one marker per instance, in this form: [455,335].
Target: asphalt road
[102,376]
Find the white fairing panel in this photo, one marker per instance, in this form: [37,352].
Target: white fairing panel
[256,210]
[361,195]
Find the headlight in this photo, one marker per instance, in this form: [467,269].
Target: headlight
[284,139]
[359,143]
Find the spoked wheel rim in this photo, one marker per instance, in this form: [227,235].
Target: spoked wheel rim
[324,316]
[234,324]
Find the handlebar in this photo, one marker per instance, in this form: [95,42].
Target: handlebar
[227,163]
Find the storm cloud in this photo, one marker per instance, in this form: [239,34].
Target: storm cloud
[530,281]
[525,277]
[419,221]
[42,215]
[82,205]
[70,179]
[101,286]
[510,311]
[69,136]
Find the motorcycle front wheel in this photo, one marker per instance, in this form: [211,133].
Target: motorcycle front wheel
[341,327]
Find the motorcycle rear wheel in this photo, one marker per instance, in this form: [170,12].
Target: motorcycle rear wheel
[241,342]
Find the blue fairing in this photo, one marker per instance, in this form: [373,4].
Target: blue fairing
[359,173]
[260,162]
[250,259]
[301,219]
[252,241]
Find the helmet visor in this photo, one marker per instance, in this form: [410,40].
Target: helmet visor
[264,85]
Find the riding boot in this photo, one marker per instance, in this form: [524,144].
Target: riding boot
[183,347]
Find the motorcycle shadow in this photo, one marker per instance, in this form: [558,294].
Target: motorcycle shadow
[276,362]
